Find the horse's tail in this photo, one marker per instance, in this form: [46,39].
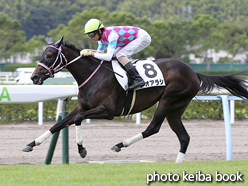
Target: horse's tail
[235,85]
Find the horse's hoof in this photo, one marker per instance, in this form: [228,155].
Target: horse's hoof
[116,149]
[27,149]
[83,153]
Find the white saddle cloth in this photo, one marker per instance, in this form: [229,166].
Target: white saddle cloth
[148,70]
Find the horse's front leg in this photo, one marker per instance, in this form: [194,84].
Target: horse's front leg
[99,112]
[68,120]
[79,140]
[95,113]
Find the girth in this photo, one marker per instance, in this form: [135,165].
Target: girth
[130,100]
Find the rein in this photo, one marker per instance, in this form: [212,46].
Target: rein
[93,73]
[107,67]
[53,69]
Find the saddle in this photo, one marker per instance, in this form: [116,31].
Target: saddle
[148,70]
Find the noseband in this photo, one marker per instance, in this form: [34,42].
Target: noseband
[55,68]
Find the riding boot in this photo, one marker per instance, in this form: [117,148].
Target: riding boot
[134,79]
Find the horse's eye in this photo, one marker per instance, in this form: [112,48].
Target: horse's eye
[49,56]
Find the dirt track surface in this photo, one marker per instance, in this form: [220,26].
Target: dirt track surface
[207,142]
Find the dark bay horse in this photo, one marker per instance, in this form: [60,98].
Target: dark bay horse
[101,97]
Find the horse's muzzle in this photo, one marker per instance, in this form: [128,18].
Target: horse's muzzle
[38,79]
[39,75]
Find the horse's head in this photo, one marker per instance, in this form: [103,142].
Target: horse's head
[52,61]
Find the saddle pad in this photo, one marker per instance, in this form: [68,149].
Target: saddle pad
[148,70]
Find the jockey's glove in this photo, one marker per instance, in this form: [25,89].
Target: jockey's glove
[85,52]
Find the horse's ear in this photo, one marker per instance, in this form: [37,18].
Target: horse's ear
[59,42]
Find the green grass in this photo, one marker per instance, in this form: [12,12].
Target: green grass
[111,174]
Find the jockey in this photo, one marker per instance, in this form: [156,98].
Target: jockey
[122,41]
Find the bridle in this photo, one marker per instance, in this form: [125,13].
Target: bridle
[61,65]
[60,59]
[56,68]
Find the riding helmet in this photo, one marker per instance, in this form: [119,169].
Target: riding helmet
[93,25]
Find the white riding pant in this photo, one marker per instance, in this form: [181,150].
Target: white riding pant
[142,40]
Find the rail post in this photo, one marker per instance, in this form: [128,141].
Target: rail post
[228,128]
[53,144]
[65,140]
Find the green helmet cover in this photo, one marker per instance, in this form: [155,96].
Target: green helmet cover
[93,25]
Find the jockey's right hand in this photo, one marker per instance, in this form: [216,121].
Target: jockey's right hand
[85,52]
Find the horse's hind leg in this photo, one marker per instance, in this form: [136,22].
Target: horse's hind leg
[153,128]
[164,108]
[175,122]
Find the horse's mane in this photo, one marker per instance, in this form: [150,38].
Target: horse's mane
[71,46]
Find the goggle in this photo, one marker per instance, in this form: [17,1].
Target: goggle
[92,34]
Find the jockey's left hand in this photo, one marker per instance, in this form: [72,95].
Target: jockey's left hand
[85,52]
